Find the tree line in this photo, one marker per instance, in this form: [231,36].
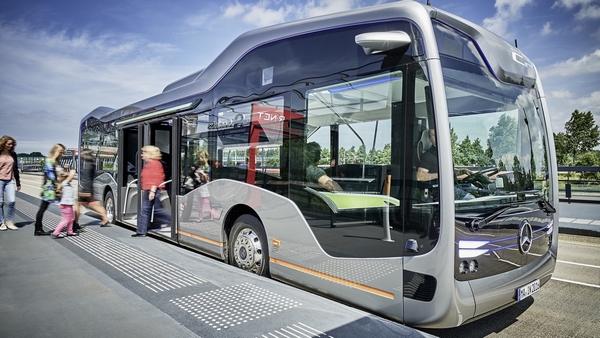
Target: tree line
[575,147]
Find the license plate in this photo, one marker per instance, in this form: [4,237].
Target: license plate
[528,290]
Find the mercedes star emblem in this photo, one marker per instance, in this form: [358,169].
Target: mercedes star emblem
[525,236]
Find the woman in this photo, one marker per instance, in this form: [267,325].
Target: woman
[9,178]
[153,177]
[86,197]
[51,171]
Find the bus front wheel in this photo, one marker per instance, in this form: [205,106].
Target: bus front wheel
[248,248]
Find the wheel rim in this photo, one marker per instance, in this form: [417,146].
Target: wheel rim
[110,209]
[247,251]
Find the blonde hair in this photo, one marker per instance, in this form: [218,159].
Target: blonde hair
[153,152]
[56,150]
[203,157]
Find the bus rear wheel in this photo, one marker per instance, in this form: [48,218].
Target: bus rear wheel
[109,205]
[248,248]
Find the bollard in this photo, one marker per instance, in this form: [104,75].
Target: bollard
[568,191]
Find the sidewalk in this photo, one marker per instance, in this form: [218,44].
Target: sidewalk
[48,291]
[579,219]
[104,283]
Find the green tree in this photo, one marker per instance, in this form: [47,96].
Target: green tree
[325,156]
[361,154]
[589,159]
[562,149]
[479,156]
[503,136]
[582,133]
[459,158]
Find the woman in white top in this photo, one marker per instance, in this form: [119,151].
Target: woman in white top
[9,181]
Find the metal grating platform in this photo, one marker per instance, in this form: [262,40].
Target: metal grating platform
[147,270]
[235,305]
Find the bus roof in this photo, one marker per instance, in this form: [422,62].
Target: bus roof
[185,89]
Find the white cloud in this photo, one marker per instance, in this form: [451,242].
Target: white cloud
[546,30]
[261,15]
[561,94]
[198,20]
[323,7]
[590,12]
[507,11]
[570,4]
[270,12]
[590,103]
[571,67]
[589,8]
[234,10]
[50,80]
[562,104]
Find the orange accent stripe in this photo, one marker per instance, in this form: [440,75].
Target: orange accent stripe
[200,238]
[351,284]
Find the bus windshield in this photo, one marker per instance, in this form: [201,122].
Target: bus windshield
[499,148]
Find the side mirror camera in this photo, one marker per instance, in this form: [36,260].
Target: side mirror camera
[381,42]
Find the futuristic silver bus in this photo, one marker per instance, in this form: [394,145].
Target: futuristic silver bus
[396,158]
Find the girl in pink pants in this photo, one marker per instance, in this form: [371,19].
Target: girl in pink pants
[66,204]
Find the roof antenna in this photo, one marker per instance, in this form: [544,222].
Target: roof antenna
[516,44]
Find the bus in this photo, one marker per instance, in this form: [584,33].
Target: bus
[395,158]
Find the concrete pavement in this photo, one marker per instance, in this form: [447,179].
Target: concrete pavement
[579,219]
[104,283]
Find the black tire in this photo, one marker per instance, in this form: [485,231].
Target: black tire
[248,247]
[109,205]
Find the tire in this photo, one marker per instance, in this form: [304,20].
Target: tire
[109,205]
[248,247]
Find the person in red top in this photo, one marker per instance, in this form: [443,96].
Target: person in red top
[153,177]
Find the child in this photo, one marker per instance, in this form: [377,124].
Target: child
[66,204]
[203,192]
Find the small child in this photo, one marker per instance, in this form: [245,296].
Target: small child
[66,204]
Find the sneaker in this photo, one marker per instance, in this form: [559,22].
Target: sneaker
[11,225]
[57,236]
[3,227]
[73,234]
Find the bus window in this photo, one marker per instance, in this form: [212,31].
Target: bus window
[249,137]
[348,131]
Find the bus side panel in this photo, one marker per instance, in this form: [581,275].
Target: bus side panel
[295,255]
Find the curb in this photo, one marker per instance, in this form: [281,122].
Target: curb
[578,232]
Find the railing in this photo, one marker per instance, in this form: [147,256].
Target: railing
[574,188]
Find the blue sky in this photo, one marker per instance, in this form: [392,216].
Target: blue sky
[61,59]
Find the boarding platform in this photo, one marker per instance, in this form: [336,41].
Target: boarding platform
[105,283]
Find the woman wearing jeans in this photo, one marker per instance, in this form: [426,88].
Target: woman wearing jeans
[9,181]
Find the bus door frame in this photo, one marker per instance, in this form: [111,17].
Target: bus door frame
[122,179]
[149,138]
